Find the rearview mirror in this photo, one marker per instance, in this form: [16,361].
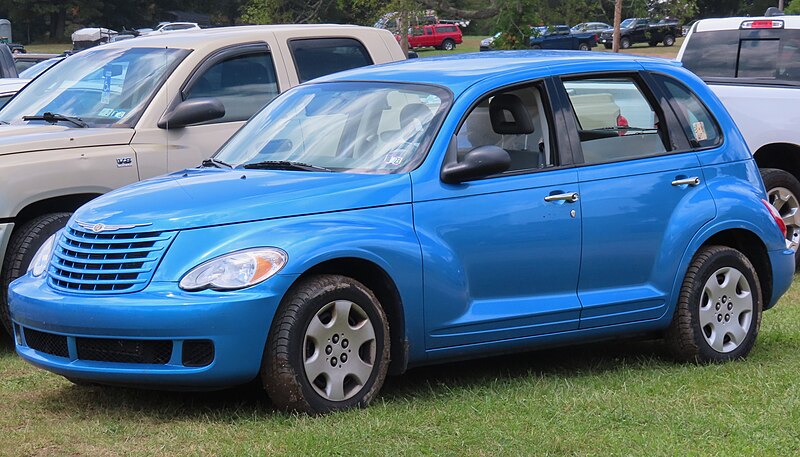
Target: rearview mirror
[478,163]
[192,112]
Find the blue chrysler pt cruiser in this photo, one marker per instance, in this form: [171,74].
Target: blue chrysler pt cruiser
[413,213]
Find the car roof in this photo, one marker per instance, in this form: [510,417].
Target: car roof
[459,71]
[215,37]
[734,23]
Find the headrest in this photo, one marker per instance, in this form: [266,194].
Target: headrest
[520,124]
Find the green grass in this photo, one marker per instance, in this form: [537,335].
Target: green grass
[48,48]
[623,398]
[473,43]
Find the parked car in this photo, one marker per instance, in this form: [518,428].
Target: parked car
[641,30]
[560,37]
[488,43]
[9,87]
[39,68]
[25,61]
[174,27]
[595,27]
[438,36]
[753,65]
[138,108]
[414,213]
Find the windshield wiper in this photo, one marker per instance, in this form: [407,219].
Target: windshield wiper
[55,117]
[212,162]
[284,165]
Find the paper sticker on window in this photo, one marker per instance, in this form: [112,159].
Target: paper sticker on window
[699,130]
[393,159]
[119,114]
[105,112]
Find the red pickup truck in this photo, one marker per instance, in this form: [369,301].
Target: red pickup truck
[439,36]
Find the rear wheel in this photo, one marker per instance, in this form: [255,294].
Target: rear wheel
[719,309]
[783,191]
[536,46]
[669,40]
[448,45]
[584,47]
[328,348]
[24,243]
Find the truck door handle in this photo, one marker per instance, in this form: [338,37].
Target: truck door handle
[569,197]
[686,182]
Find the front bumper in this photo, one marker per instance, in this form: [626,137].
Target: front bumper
[97,338]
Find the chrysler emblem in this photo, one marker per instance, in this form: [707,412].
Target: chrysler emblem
[99,227]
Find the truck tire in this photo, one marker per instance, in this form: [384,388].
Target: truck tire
[584,47]
[448,45]
[607,46]
[669,40]
[536,46]
[24,243]
[783,192]
[625,42]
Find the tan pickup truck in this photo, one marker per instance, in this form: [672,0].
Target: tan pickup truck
[130,110]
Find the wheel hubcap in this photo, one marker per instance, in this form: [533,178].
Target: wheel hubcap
[340,350]
[786,203]
[726,309]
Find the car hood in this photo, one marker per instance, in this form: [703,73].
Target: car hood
[37,137]
[205,197]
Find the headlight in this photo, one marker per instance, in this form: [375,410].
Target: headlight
[42,257]
[235,270]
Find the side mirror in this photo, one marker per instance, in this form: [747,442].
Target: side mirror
[478,163]
[412,54]
[192,112]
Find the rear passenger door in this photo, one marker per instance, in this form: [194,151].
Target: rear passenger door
[642,196]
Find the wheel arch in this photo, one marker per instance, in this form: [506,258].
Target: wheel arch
[784,156]
[66,203]
[381,284]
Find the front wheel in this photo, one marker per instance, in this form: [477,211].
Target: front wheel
[584,47]
[669,40]
[328,348]
[625,43]
[719,308]
[783,191]
[24,243]
[448,45]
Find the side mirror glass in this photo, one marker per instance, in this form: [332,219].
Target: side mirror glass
[478,163]
[191,112]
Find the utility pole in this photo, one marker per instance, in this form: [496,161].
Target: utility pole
[617,20]
[780,5]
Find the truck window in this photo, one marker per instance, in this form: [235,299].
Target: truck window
[724,54]
[615,120]
[315,57]
[244,84]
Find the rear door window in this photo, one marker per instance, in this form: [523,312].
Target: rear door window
[317,57]
[615,119]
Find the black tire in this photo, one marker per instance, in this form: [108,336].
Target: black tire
[24,242]
[584,47]
[536,46]
[283,372]
[686,337]
[607,46]
[448,45]
[624,43]
[669,40]
[653,44]
[780,183]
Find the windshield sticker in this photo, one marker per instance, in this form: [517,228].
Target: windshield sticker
[119,114]
[393,159]
[105,97]
[105,112]
[699,131]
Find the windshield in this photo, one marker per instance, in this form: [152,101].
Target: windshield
[348,127]
[38,68]
[103,87]
[627,23]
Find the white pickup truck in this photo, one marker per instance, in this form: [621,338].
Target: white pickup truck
[126,111]
[753,65]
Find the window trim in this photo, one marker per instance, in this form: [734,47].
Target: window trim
[658,79]
[350,38]
[212,59]
[647,91]
[559,142]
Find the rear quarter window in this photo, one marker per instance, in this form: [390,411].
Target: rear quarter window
[315,57]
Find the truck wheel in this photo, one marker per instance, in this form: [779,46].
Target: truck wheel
[448,45]
[607,46]
[719,308]
[584,47]
[669,40]
[328,348]
[783,191]
[653,43]
[536,46]
[24,243]
[625,43]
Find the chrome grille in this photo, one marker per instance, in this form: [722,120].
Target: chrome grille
[106,262]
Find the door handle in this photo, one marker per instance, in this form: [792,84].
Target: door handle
[686,182]
[569,197]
